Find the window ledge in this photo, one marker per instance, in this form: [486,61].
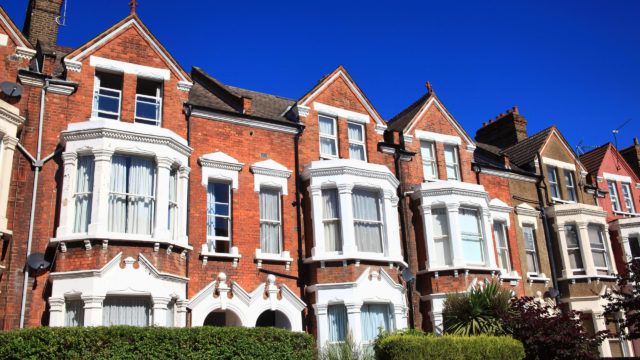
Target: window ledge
[234,255]
[358,256]
[532,277]
[560,201]
[120,237]
[283,257]
[626,213]
[588,278]
[458,269]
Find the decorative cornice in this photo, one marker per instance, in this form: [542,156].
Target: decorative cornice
[185,85]
[72,65]
[25,53]
[302,111]
[11,117]
[220,164]
[61,89]
[453,192]
[350,170]
[509,175]
[27,79]
[527,212]
[576,211]
[258,170]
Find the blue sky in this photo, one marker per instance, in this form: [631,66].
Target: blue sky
[575,64]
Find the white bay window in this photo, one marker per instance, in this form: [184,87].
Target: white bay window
[331,220]
[573,249]
[367,220]
[338,323]
[83,194]
[375,318]
[126,310]
[599,251]
[441,238]
[74,313]
[471,234]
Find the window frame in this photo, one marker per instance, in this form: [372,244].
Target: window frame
[480,236]
[332,137]
[554,184]
[97,81]
[88,194]
[570,185]
[337,221]
[446,238]
[602,250]
[278,222]
[158,102]
[612,186]
[433,161]
[381,224]
[627,196]
[354,142]
[502,226]
[214,238]
[456,162]
[578,248]
[631,238]
[172,224]
[533,251]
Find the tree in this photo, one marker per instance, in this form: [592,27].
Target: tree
[625,298]
[477,311]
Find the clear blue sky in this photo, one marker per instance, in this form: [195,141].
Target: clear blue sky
[575,64]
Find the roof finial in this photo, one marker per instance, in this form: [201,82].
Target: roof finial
[429,87]
[132,5]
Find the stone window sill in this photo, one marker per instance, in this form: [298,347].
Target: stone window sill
[357,257]
[183,243]
[283,257]
[233,255]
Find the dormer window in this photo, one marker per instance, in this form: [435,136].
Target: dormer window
[328,137]
[149,102]
[571,185]
[107,95]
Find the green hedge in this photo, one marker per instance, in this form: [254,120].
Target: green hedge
[123,342]
[417,345]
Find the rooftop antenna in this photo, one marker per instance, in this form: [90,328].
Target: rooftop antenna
[583,149]
[617,131]
[62,20]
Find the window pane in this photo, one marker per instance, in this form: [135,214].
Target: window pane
[327,126]
[147,109]
[531,262]
[634,243]
[428,160]
[83,196]
[568,179]
[338,322]
[472,250]
[553,182]
[365,205]
[356,151]
[221,192]
[126,310]
[575,259]
[333,241]
[222,209]
[572,236]
[599,259]
[529,238]
[451,162]
[440,222]
[328,147]
[355,132]
[374,318]
[270,221]
[74,313]
[222,227]
[469,222]
[596,238]
[108,104]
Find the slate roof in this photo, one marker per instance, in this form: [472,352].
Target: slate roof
[525,151]
[402,119]
[592,159]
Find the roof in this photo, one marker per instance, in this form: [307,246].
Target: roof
[592,159]
[401,120]
[13,29]
[208,92]
[525,151]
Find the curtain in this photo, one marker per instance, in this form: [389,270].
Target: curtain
[171,308]
[598,249]
[530,248]
[331,217]
[573,245]
[356,142]
[374,317]
[211,216]
[500,235]
[118,199]
[441,240]
[451,161]
[173,203]
[126,310]
[471,236]
[84,194]
[270,221]
[327,145]
[74,313]
[141,188]
[367,222]
[356,151]
[428,160]
[338,322]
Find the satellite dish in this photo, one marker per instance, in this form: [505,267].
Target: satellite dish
[554,293]
[407,276]
[11,89]
[37,262]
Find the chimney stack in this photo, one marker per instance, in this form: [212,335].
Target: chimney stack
[506,130]
[41,21]
[246,105]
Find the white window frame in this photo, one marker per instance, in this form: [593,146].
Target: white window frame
[426,145]
[279,221]
[337,221]
[628,198]
[333,137]
[603,250]
[379,223]
[533,251]
[173,204]
[613,194]
[456,161]
[214,238]
[500,226]
[77,194]
[553,182]
[570,185]
[96,94]
[445,238]
[575,248]
[158,102]
[480,236]
[355,142]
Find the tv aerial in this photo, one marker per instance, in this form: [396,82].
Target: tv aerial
[11,89]
[37,262]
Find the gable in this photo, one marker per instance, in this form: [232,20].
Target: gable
[613,162]
[557,148]
[12,34]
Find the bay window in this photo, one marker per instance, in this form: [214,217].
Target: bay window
[471,235]
[628,199]
[148,102]
[173,203]
[132,195]
[107,95]
[338,323]
[367,220]
[219,216]
[533,265]
[375,318]
[441,238]
[598,248]
[429,164]
[502,244]
[74,312]
[270,221]
[570,184]
[451,162]
[357,148]
[576,266]
[552,175]
[83,194]
[331,220]
[328,137]
[613,193]
[634,244]
[126,310]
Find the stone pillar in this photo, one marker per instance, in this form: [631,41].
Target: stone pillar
[345,192]
[599,323]
[7,147]
[391,224]
[316,215]
[181,312]
[457,252]
[585,249]
[183,200]
[489,248]
[355,327]
[67,213]
[56,311]
[161,231]
[160,311]
[624,241]
[323,323]
[564,253]
[92,310]
[101,183]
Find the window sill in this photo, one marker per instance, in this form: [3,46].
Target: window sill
[234,255]
[560,201]
[183,244]
[358,256]
[283,257]
[534,277]
[588,278]
[626,214]
[458,269]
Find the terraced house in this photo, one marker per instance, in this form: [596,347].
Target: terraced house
[135,192]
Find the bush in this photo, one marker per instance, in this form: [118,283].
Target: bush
[415,345]
[123,342]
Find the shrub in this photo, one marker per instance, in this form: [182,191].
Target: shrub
[122,342]
[347,350]
[626,298]
[415,345]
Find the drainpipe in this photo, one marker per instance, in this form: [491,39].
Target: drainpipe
[301,279]
[37,164]
[547,232]
[187,110]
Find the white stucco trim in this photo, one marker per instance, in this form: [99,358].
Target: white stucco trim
[617,177]
[4,40]
[333,111]
[220,166]
[10,122]
[626,228]
[471,145]
[129,68]
[270,173]
[558,164]
[527,215]
[500,211]
[13,33]
[437,137]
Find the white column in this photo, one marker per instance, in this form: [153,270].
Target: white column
[181,313]
[585,249]
[612,261]
[346,213]
[315,191]
[161,231]
[599,323]
[437,306]
[429,243]
[56,311]
[160,311]
[183,200]
[564,253]
[454,234]
[488,238]
[67,211]
[101,182]
[355,325]
[92,310]
[391,224]
[624,241]
[8,145]
[322,320]
[400,316]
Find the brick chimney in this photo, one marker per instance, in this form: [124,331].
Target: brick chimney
[632,155]
[41,21]
[505,130]
[246,105]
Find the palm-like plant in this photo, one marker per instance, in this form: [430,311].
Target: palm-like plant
[477,311]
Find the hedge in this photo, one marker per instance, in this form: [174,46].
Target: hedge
[428,346]
[124,342]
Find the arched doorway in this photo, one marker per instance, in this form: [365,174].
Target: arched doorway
[222,318]
[272,318]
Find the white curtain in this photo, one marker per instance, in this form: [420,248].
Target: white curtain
[441,238]
[141,203]
[338,322]
[367,222]
[84,194]
[471,236]
[356,142]
[598,249]
[500,235]
[74,313]
[374,318]
[530,248]
[573,247]
[328,144]
[126,310]
[173,203]
[451,161]
[331,219]
[118,198]
[270,221]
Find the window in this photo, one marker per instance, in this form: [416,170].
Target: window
[375,318]
[598,248]
[74,313]
[451,162]
[613,192]
[219,217]
[132,195]
[533,266]
[357,149]
[367,220]
[616,343]
[270,224]
[628,199]
[429,164]
[634,244]
[570,184]
[573,248]
[552,174]
[107,95]
[149,102]
[331,220]
[84,194]
[472,247]
[338,322]
[328,137]
[441,238]
[500,234]
[126,310]
[173,203]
